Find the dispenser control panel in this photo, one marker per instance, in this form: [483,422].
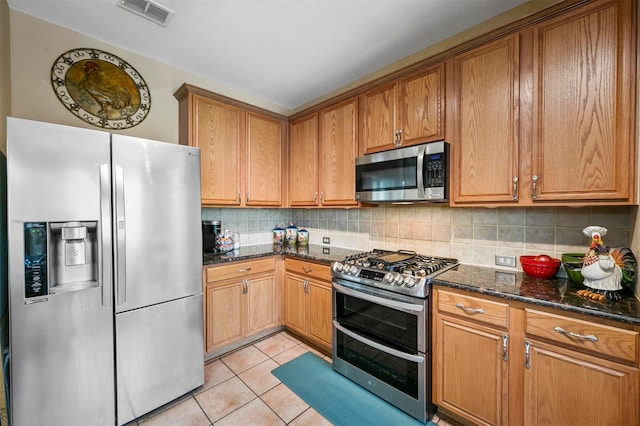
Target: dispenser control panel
[35,260]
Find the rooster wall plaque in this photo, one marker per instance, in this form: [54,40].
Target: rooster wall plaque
[100,88]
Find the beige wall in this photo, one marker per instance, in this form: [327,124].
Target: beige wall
[36,44]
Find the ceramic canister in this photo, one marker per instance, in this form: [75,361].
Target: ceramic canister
[303,237]
[291,234]
[278,235]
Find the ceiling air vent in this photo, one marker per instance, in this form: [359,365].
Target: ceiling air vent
[148,9]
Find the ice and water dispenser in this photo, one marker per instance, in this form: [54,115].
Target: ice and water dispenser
[60,257]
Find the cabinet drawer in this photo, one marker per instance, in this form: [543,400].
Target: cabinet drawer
[240,269]
[597,339]
[478,309]
[308,269]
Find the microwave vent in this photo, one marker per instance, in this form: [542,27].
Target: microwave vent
[148,9]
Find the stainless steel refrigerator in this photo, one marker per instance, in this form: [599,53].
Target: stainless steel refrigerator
[105,284]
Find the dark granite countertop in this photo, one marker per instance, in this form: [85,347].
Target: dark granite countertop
[558,293]
[312,252]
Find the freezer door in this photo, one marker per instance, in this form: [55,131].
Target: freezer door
[159,354]
[61,329]
[157,233]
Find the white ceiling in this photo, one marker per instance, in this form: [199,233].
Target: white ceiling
[286,52]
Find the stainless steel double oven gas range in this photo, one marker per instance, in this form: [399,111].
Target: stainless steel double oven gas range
[382,325]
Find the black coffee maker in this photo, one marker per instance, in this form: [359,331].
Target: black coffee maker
[210,229]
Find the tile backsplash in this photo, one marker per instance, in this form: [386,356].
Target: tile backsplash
[472,235]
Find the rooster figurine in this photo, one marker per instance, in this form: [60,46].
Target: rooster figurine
[606,271]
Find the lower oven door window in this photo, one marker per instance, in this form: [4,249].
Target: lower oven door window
[396,371]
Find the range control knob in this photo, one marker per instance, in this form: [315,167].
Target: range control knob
[409,282]
[353,270]
[398,280]
[388,277]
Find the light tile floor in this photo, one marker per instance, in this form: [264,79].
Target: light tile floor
[239,389]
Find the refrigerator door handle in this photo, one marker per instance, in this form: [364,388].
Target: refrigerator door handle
[120,235]
[104,252]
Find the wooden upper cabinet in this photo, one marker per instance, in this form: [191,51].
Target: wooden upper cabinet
[584,85]
[265,154]
[242,150]
[484,86]
[547,116]
[303,161]
[338,151]
[218,132]
[406,112]
[378,120]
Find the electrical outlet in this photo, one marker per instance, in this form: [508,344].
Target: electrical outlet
[505,277]
[326,240]
[326,250]
[506,260]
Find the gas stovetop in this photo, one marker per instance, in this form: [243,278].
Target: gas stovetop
[398,271]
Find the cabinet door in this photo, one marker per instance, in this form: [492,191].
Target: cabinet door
[338,151]
[303,162]
[565,387]
[378,120]
[485,133]
[470,374]
[224,315]
[260,299]
[295,314]
[583,98]
[218,134]
[320,312]
[421,107]
[264,161]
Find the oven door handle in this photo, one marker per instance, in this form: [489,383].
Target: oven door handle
[378,346]
[379,300]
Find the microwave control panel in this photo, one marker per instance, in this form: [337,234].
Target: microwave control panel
[435,170]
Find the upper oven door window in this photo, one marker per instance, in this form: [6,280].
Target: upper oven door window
[401,173]
[388,326]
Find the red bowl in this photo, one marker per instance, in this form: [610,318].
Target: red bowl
[540,268]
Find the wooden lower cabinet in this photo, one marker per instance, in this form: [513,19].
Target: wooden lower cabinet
[241,300]
[566,387]
[502,362]
[579,372]
[471,358]
[307,301]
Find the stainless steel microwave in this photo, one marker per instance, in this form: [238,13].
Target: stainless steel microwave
[417,173]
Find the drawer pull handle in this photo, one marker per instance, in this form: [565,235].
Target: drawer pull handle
[240,271]
[527,355]
[589,337]
[307,270]
[469,310]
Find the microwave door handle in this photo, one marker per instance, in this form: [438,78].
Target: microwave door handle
[394,304]
[420,170]
[378,346]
